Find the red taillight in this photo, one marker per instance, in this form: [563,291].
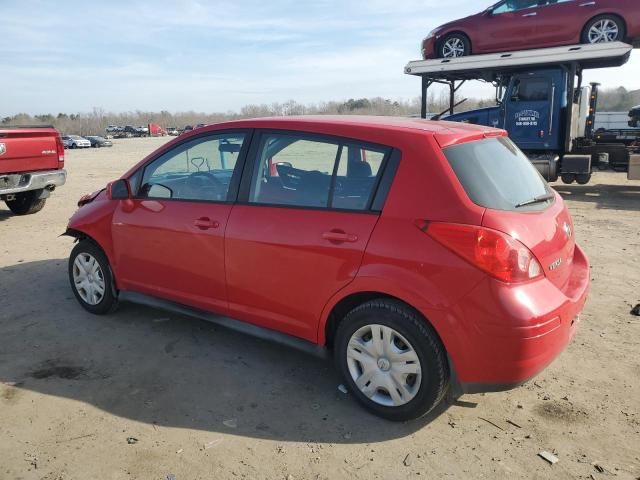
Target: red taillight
[60,150]
[496,253]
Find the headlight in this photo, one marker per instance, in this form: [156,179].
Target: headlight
[433,33]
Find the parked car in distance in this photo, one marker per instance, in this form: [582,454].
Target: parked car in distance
[98,142]
[75,141]
[527,24]
[173,131]
[429,257]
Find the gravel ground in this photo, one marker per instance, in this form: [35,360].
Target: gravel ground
[143,394]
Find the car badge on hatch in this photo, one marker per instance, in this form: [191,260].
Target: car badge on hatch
[3,149]
[567,230]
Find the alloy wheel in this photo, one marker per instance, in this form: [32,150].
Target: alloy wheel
[453,48]
[605,30]
[384,365]
[88,279]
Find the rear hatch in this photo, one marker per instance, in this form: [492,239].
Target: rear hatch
[28,149]
[498,176]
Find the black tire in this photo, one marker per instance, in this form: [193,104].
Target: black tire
[583,178]
[73,145]
[424,341]
[464,41]
[26,203]
[622,31]
[568,178]
[109,301]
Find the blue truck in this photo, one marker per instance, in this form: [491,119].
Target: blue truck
[541,101]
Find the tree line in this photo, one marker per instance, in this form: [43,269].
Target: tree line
[97,120]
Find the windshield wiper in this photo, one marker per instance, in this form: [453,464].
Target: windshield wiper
[541,199]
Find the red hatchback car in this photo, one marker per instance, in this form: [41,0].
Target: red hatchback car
[428,256]
[527,24]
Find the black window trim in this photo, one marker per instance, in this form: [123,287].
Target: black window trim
[234,184]
[525,77]
[377,197]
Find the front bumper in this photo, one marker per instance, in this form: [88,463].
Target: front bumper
[509,334]
[429,48]
[26,182]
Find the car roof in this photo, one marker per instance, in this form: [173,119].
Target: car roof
[446,133]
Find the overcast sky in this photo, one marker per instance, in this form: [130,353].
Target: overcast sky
[179,55]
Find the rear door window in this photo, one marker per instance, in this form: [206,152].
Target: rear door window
[305,171]
[497,175]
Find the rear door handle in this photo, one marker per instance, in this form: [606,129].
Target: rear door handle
[205,223]
[534,14]
[339,236]
[588,4]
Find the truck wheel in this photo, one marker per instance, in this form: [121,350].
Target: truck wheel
[568,178]
[454,45]
[583,179]
[26,203]
[391,360]
[91,279]
[603,29]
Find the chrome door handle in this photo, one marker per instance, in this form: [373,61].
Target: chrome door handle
[534,14]
[588,4]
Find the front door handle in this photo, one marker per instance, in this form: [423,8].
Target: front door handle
[588,4]
[534,14]
[205,223]
[339,236]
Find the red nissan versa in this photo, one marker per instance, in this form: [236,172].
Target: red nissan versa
[427,255]
[527,24]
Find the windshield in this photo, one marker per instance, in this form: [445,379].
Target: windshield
[496,174]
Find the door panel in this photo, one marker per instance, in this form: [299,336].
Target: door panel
[169,240]
[561,23]
[533,111]
[174,250]
[507,29]
[283,264]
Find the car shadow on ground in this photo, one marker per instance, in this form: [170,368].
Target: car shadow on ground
[609,197]
[150,366]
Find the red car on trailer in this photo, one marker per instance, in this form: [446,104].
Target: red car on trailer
[527,24]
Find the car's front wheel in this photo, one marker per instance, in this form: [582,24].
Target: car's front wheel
[454,45]
[392,360]
[91,279]
[603,29]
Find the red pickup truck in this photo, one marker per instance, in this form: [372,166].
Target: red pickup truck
[31,167]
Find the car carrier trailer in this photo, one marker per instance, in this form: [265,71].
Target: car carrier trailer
[541,102]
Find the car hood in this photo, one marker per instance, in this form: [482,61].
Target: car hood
[458,22]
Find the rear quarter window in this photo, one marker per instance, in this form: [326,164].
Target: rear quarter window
[496,174]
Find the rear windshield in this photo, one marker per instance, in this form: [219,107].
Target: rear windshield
[497,175]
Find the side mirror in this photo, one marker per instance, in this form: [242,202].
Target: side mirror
[119,190]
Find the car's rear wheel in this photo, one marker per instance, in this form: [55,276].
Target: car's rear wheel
[26,203]
[392,360]
[91,278]
[604,29]
[454,45]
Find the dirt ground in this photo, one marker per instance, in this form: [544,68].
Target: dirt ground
[143,394]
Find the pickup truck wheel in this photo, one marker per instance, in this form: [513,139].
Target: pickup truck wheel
[91,278]
[26,203]
[603,29]
[391,360]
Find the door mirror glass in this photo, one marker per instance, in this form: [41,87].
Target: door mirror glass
[119,190]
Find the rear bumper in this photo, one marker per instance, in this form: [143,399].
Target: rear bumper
[25,182]
[511,333]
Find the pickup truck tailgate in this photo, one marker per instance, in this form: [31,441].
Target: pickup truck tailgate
[29,149]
